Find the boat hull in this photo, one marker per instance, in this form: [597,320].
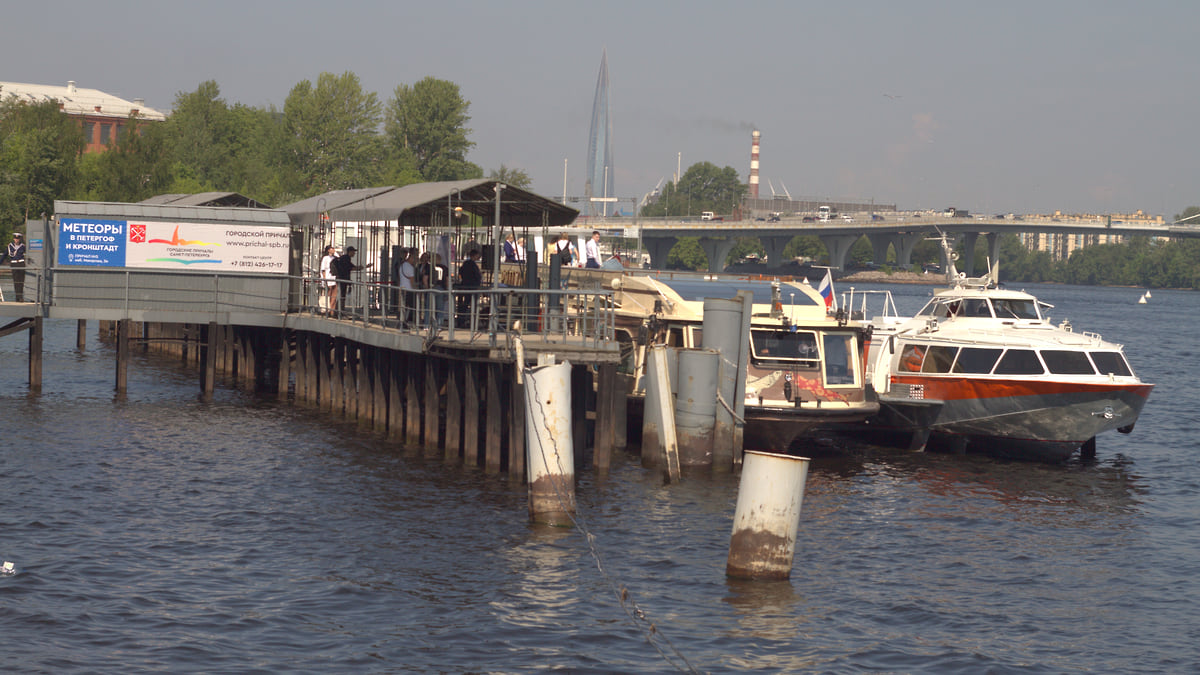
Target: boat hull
[1041,419]
[788,429]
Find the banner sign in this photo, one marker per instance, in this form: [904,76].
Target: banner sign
[146,244]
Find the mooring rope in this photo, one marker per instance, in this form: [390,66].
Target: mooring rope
[628,604]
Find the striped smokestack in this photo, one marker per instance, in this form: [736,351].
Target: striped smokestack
[754,164]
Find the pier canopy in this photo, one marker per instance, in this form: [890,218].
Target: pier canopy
[420,204]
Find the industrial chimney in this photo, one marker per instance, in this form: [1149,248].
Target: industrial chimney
[754,164]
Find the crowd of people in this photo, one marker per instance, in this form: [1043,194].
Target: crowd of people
[414,271]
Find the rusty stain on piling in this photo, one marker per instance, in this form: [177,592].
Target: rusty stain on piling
[759,554]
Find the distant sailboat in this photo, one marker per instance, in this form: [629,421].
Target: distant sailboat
[1147,296]
[1142,300]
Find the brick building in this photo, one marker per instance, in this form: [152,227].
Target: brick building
[102,117]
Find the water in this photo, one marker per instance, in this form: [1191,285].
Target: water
[162,533]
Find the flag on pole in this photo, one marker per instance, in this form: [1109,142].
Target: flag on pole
[826,291]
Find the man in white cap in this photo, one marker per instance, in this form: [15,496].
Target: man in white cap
[16,262]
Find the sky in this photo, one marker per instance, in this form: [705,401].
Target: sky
[1083,106]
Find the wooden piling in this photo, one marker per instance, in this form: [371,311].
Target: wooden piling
[412,400]
[208,360]
[493,429]
[36,331]
[122,355]
[431,423]
[454,413]
[472,390]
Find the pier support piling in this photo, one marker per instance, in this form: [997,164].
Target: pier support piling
[770,495]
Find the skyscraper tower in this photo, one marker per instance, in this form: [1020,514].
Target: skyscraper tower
[599,165]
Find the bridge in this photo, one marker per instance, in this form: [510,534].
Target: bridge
[901,232]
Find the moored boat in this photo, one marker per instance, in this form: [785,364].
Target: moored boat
[981,368]
[806,367]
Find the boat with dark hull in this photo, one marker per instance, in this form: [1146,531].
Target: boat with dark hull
[806,367]
[981,368]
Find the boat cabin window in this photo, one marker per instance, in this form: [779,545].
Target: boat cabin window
[1066,362]
[976,360]
[783,345]
[1019,362]
[938,359]
[910,358]
[1111,363]
[839,358]
[1015,308]
[976,307]
[675,337]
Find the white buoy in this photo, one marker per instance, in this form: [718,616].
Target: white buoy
[767,517]
[549,444]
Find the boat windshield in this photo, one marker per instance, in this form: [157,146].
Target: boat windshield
[1004,308]
[839,358]
[778,345]
[1016,308]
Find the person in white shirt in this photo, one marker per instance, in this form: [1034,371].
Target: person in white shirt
[328,300]
[592,250]
[521,249]
[408,273]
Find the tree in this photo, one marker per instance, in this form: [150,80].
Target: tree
[426,129]
[514,177]
[39,152]
[703,187]
[203,132]
[330,135]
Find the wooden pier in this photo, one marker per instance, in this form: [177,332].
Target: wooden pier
[459,400]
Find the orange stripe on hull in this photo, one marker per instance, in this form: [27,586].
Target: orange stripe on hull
[958,388]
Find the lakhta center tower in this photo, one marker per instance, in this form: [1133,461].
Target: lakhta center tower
[599,163]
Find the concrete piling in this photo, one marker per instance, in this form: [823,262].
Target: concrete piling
[696,405]
[767,517]
[549,445]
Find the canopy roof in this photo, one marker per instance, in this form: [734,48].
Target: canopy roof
[307,211]
[205,199]
[418,205]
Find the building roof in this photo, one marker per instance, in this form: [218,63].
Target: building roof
[169,212]
[80,101]
[206,199]
[307,211]
[417,204]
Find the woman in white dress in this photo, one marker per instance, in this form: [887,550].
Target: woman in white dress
[329,283]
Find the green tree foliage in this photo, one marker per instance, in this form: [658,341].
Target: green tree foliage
[426,129]
[135,168]
[686,254]
[39,153]
[806,246]
[703,187]
[514,177]
[330,139]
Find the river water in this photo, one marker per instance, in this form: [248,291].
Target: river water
[161,533]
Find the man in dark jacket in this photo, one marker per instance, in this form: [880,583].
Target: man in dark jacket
[15,254]
[342,266]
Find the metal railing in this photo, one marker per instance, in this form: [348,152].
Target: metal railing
[584,317]
[581,317]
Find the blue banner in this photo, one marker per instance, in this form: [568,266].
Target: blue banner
[94,243]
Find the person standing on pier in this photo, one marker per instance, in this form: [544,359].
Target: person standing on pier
[328,282]
[342,266]
[408,283]
[510,249]
[16,262]
[592,250]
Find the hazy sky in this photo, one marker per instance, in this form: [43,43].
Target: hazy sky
[1083,106]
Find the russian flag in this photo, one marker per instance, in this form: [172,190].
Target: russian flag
[826,291]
